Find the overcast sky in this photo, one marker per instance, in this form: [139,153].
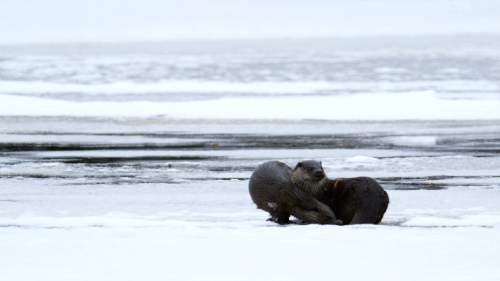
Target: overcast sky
[138,20]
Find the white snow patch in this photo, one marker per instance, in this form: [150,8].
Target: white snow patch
[362,159]
[415,106]
[208,87]
[169,86]
[413,140]
[461,221]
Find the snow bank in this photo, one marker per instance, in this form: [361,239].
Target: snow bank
[477,88]
[182,86]
[414,106]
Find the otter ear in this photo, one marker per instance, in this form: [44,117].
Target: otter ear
[299,165]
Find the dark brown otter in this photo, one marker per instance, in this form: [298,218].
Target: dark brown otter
[356,200]
[353,200]
[272,190]
[310,177]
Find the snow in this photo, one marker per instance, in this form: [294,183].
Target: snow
[475,220]
[361,159]
[209,88]
[413,140]
[412,106]
[238,243]
[184,252]
[206,87]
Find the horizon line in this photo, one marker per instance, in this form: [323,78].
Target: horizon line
[248,38]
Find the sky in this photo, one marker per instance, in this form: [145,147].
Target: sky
[25,21]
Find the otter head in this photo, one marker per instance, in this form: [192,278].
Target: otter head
[309,176]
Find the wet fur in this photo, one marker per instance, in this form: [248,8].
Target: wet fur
[314,188]
[272,190]
[359,200]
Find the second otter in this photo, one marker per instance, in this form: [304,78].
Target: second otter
[353,200]
[272,189]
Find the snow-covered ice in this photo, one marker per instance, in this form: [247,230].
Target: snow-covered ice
[174,205]
[411,106]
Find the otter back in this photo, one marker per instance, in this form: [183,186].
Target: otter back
[268,183]
[357,200]
[272,190]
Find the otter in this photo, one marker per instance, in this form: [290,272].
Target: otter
[309,177]
[358,200]
[272,189]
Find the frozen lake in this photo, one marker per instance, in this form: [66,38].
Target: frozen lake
[132,162]
[154,197]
